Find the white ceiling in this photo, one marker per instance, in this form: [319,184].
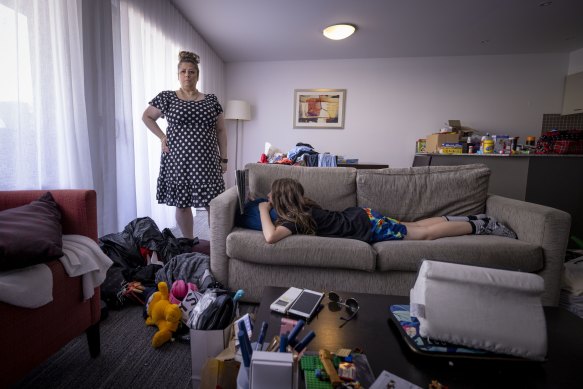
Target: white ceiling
[274,30]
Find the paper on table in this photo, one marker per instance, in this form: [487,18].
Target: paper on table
[385,378]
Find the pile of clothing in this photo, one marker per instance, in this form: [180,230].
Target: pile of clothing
[302,154]
[138,252]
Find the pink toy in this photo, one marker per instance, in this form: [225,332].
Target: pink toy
[179,290]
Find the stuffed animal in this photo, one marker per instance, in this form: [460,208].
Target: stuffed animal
[163,314]
[179,291]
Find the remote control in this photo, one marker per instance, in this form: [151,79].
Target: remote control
[285,301]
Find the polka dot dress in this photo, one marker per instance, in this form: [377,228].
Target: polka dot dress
[190,174]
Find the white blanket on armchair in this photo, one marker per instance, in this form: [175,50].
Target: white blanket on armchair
[32,287]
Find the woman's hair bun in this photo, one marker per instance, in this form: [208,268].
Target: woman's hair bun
[187,56]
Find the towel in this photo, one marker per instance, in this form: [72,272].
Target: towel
[83,257]
[32,286]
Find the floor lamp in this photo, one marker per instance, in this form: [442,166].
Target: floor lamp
[237,110]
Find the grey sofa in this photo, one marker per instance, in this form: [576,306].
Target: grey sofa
[240,258]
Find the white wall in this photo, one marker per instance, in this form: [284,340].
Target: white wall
[392,102]
[576,62]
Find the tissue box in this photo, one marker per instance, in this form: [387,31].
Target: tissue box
[434,141]
[490,309]
[272,370]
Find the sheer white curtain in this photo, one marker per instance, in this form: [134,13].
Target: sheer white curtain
[75,77]
[147,36]
[44,140]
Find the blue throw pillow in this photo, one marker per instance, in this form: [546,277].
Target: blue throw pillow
[251,218]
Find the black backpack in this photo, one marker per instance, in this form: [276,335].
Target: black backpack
[218,315]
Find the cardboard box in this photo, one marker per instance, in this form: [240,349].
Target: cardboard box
[420,146]
[450,148]
[205,345]
[434,141]
[502,144]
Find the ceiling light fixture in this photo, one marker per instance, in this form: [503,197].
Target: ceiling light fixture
[545,4]
[339,31]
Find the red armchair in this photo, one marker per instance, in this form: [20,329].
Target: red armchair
[29,336]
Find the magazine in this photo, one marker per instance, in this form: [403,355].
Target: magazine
[241,179]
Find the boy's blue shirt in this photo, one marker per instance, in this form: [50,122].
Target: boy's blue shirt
[251,218]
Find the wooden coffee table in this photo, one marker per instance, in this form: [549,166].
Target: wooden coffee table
[385,349]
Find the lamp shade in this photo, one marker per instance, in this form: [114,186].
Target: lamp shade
[238,109]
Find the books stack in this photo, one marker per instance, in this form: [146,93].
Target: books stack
[571,297]
[571,302]
[242,182]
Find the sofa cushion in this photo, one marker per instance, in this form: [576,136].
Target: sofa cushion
[301,250]
[415,193]
[478,250]
[30,234]
[331,188]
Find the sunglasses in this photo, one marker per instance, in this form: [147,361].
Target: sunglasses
[350,304]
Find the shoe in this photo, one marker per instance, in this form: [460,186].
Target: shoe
[493,227]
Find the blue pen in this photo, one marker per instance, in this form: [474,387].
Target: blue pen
[291,339]
[283,343]
[304,342]
[242,326]
[243,345]
[261,338]
[248,344]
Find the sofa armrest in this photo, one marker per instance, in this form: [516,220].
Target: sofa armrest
[223,209]
[78,207]
[541,225]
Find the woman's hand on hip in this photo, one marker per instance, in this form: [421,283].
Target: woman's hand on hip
[164,142]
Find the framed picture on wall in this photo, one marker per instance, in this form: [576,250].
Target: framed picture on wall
[319,108]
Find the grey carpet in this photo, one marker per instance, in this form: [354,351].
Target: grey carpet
[127,359]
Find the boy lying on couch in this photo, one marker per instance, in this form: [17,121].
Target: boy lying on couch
[296,214]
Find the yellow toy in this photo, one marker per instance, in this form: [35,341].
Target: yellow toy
[163,314]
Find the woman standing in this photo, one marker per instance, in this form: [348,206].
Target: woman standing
[194,147]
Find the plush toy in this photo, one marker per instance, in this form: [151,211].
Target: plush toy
[163,314]
[179,290]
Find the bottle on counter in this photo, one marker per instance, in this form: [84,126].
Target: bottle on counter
[487,144]
[465,146]
[513,143]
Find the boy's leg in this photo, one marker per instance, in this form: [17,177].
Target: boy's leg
[465,218]
[438,230]
[426,222]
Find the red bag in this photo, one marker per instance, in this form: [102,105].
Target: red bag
[560,142]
